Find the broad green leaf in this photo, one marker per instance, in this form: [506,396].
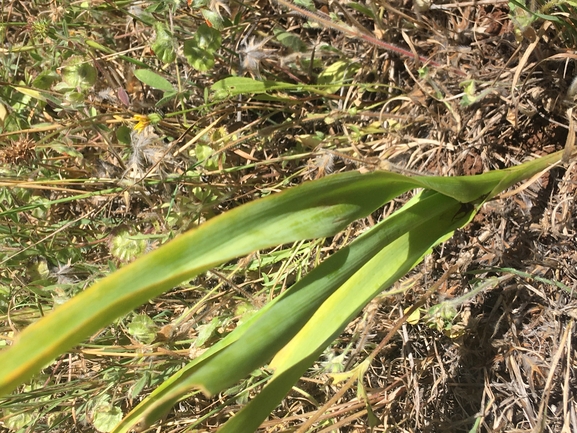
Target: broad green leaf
[214,18]
[208,39]
[472,189]
[79,73]
[256,341]
[45,79]
[153,80]
[437,217]
[123,134]
[105,419]
[199,51]
[143,328]
[408,234]
[204,156]
[163,45]
[199,59]
[207,331]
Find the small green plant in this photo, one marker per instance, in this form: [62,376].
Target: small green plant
[297,326]
[523,17]
[199,51]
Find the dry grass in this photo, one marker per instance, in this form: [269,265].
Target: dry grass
[504,363]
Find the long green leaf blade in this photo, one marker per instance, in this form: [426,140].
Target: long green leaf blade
[434,217]
[316,209]
[255,342]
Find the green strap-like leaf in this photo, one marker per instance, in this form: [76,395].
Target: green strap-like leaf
[255,342]
[433,220]
[315,209]
[284,317]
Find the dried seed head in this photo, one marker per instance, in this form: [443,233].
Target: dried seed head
[325,162]
[18,151]
[141,139]
[252,55]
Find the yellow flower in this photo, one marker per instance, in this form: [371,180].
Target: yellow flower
[141,122]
